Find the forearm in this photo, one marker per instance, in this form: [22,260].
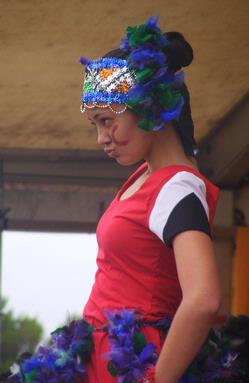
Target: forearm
[187,333]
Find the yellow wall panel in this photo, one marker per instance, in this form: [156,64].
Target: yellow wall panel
[240,300]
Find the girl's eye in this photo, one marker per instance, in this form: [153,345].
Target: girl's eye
[105,121]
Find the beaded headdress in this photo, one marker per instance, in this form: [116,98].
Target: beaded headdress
[141,81]
[107,81]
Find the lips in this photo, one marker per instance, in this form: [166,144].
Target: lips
[109,152]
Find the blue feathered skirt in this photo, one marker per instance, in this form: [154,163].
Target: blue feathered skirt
[125,349]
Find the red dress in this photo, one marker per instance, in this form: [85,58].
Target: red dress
[136,265]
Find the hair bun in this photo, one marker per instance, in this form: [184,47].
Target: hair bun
[178,51]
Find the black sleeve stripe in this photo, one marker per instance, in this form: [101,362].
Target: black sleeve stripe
[188,214]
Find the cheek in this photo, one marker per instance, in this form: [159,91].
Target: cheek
[120,136]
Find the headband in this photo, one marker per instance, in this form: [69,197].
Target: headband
[141,81]
[107,81]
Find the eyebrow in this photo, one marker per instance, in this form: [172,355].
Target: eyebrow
[95,116]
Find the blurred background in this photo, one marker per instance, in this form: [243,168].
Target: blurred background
[55,183]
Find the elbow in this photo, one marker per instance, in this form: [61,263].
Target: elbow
[206,305]
[214,301]
[213,305]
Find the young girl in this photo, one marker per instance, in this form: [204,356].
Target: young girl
[155,252]
[156,292]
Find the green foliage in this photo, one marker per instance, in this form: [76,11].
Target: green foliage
[19,334]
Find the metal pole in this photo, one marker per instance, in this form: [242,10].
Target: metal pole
[3,224]
[1,309]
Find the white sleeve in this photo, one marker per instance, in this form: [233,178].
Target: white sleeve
[180,205]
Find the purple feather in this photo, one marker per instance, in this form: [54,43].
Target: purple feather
[124,44]
[152,22]
[172,114]
[148,353]
[62,360]
[129,365]
[179,76]
[146,57]
[84,60]
[136,92]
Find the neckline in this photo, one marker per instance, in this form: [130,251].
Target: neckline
[139,171]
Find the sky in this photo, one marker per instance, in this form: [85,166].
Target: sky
[48,275]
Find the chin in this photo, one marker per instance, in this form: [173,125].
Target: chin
[126,161]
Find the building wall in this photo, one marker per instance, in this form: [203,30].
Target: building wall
[224,246]
[42,41]
[242,203]
[232,213]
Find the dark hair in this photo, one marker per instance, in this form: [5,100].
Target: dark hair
[179,54]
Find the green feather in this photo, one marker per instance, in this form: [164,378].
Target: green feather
[83,347]
[58,330]
[30,377]
[168,98]
[64,357]
[139,342]
[141,34]
[132,103]
[112,369]
[144,74]
[146,124]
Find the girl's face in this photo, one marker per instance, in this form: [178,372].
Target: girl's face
[119,134]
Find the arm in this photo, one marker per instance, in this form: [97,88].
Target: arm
[199,281]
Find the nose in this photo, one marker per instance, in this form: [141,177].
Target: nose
[104,136]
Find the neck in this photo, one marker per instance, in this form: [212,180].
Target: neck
[166,149]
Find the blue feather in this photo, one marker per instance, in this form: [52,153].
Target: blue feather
[84,60]
[172,114]
[141,58]
[152,22]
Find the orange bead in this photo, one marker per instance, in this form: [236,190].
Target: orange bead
[105,73]
[123,87]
